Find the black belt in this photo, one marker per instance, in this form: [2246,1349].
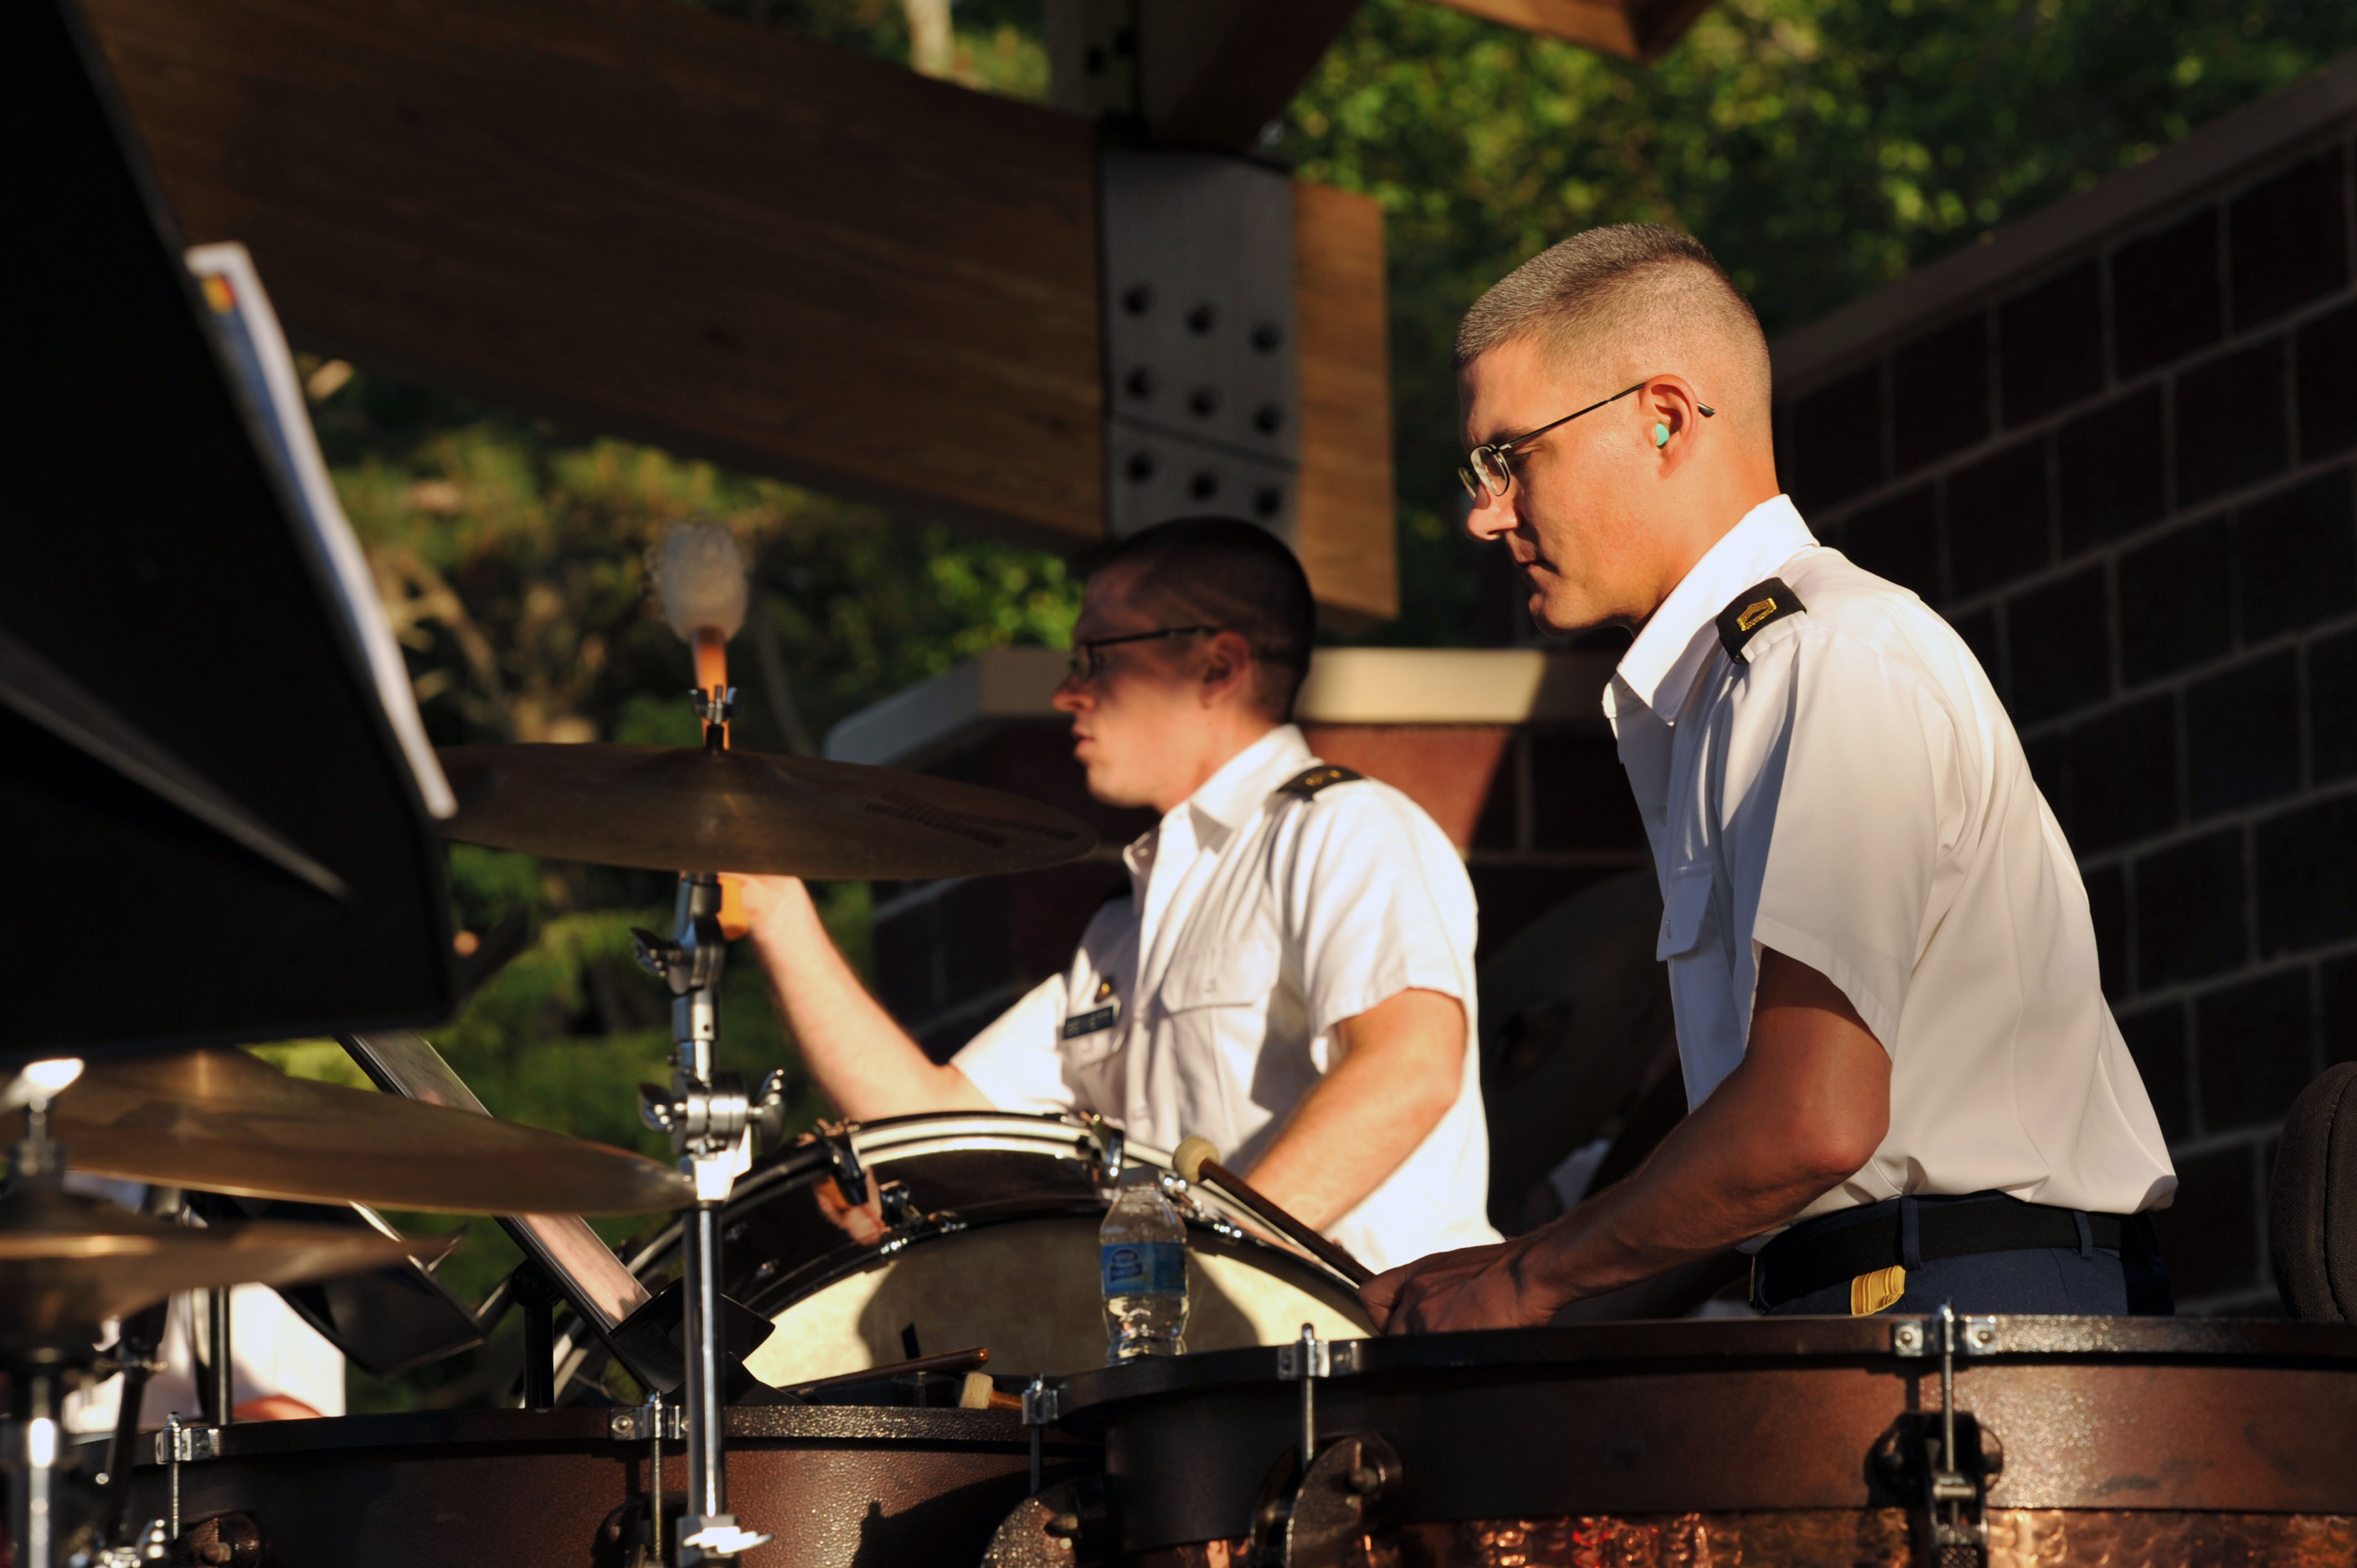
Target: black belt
[1811,1257]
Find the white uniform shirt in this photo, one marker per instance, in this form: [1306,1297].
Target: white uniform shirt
[1854,796]
[1205,1002]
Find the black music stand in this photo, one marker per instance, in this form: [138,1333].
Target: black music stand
[210,831]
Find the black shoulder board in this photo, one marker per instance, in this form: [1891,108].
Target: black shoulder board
[1309,780]
[1762,603]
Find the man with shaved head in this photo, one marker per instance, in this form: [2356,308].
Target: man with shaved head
[1904,1085]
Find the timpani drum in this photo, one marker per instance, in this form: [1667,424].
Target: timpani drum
[1804,1443]
[837,1485]
[980,1230]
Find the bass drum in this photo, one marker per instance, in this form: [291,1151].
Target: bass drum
[979,1227]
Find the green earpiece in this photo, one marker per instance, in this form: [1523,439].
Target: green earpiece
[1660,435]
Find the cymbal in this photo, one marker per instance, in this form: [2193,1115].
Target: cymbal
[222,1121]
[688,809]
[69,1262]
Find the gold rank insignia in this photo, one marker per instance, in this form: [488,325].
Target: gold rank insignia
[1323,776]
[1760,605]
[1869,1293]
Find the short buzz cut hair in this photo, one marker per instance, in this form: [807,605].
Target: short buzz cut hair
[1236,575]
[1631,293]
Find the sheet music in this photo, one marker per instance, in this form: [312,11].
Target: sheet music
[258,349]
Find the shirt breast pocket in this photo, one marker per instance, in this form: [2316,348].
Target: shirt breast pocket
[1686,920]
[1240,975]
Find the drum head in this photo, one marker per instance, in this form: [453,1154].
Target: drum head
[1028,1290]
[995,1244]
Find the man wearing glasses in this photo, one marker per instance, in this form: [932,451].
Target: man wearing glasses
[1290,973]
[1905,1085]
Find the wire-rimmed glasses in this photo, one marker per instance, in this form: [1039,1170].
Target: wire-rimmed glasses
[1490,467]
[1086,666]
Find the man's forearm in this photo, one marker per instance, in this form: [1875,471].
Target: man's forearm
[863,1060]
[1808,1106]
[1717,1181]
[1402,1064]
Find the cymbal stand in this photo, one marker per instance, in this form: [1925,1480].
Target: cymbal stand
[138,1355]
[37,1373]
[709,1117]
[218,1393]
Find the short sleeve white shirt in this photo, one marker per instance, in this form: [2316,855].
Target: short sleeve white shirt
[1205,1002]
[1852,794]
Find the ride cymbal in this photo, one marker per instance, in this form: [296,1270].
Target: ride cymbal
[69,1262]
[690,809]
[221,1120]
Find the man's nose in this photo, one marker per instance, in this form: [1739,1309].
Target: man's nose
[1072,694]
[1490,516]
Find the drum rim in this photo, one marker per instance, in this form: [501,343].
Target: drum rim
[1732,1344]
[1051,1134]
[831,1424]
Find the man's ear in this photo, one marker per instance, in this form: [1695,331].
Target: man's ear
[1671,417]
[1227,666]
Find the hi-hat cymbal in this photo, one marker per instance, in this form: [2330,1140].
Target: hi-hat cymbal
[67,1262]
[688,809]
[222,1121]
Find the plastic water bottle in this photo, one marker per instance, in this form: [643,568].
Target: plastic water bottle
[1142,1258]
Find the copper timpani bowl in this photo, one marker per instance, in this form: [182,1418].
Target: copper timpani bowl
[1794,1441]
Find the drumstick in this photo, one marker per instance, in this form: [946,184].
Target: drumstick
[1197,1160]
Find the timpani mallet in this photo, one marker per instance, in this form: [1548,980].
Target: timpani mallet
[1197,1160]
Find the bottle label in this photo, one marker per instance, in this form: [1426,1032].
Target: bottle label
[1144,1267]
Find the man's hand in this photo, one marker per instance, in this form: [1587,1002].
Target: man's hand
[1808,1106]
[1478,1287]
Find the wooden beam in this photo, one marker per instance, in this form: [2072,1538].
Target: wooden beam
[1206,74]
[1213,73]
[1346,541]
[657,223]
[662,224]
[1633,29]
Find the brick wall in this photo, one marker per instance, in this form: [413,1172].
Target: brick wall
[2124,474]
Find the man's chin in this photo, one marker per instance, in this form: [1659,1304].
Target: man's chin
[1557,617]
[1106,789]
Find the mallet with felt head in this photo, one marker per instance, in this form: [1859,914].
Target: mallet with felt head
[1197,1160]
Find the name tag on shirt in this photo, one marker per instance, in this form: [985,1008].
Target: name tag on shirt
[1091,1022]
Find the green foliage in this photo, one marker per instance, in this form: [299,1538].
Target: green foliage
[1819,147]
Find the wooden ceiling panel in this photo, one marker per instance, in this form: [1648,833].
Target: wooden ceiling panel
[656,223]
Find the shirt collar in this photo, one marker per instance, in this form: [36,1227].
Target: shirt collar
[1660,665]
[1232,795]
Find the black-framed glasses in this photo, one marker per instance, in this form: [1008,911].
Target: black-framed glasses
[1085,665]
[1492,467]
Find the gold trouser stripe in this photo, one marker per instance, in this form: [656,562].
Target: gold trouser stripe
[1871,1292]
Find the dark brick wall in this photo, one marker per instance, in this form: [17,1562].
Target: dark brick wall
[2128,483]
